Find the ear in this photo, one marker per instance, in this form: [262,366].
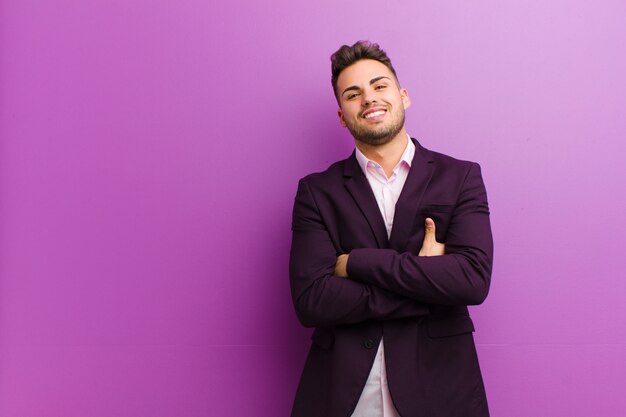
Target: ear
[406,101]
[342,121]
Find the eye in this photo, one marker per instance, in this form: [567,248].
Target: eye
[351,96]
[381,86]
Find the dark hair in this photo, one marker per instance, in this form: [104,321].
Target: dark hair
[348,55]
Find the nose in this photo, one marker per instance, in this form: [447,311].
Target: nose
[369,97]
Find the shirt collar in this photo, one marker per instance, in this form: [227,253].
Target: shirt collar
[407,156]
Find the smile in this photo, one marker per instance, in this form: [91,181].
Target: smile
[376,113]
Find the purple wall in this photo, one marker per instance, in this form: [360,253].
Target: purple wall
[149,155]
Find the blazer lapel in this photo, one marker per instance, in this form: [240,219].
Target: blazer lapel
[409,201]
[361,192]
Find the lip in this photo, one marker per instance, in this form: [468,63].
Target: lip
[374,110]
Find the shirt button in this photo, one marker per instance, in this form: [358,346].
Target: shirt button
[369,343]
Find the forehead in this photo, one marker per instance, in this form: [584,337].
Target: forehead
[361,72]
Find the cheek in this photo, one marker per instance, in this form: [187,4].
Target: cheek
[351,116]
[349,109]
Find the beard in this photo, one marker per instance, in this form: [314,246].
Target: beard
[374,135]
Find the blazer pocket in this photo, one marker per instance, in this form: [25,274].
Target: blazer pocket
[441,215]
[449,325]
[323,337]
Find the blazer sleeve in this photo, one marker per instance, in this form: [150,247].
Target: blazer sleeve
[460,277]
[319,297]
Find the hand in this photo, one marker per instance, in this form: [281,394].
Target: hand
[430,246]
[341,268]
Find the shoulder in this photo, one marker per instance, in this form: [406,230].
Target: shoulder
[445,163]
[331,174]
[329,184]
[443,159]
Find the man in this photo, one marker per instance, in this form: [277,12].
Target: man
[392,336]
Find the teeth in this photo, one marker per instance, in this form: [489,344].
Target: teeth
[374,114]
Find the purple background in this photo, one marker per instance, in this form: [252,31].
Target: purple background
[149,156]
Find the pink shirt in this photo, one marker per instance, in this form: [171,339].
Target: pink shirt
[375,400]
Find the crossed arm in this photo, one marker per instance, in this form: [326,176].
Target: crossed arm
[322,298]
[333,299]
[430,247]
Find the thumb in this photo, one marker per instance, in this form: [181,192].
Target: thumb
[429,234]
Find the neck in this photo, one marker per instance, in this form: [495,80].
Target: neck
[386,155]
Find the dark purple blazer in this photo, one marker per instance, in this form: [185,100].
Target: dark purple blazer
[419,304]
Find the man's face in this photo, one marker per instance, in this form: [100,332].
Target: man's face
[371,104]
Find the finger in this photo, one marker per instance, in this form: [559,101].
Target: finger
[429,234]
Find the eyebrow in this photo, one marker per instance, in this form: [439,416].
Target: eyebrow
[372,81]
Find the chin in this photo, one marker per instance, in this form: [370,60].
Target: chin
[374,141]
